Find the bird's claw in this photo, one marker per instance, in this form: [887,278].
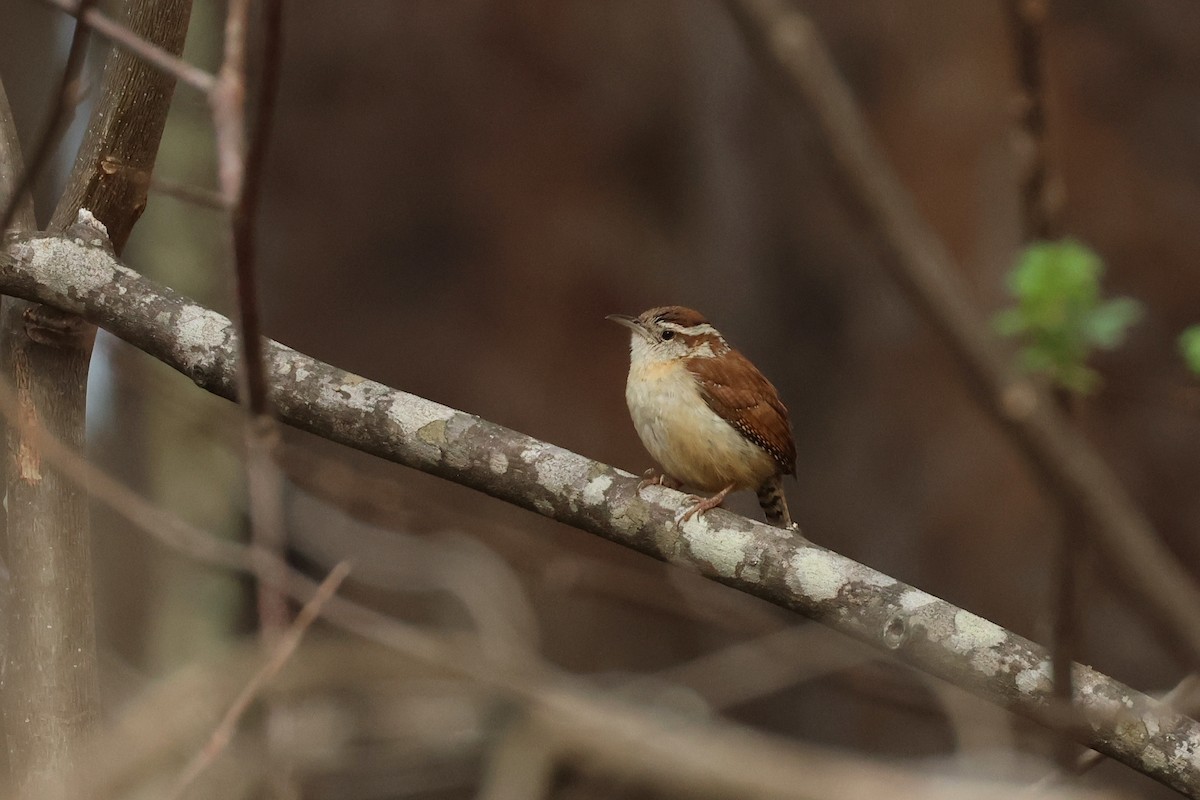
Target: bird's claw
[698,508]
[653,478]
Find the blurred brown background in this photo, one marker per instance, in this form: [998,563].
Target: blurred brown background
[458,192]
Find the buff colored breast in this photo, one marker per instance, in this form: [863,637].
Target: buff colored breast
[687,438]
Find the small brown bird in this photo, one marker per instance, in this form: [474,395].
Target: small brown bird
[705,413]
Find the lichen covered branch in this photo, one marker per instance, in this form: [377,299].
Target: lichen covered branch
[79,276]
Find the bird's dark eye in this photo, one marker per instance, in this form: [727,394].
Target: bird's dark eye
[668,335]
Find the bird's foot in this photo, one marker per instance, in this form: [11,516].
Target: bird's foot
[653,478]
[698,508]
[702,505]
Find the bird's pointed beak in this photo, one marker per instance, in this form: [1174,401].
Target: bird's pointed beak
[629,322]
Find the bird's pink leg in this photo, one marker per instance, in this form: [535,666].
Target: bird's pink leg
[705,504]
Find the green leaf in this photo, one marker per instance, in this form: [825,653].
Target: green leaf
[1052,272]
[1105,326]
[1189,346]
[1059,314]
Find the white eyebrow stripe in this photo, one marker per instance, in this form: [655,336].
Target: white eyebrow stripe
[695,330]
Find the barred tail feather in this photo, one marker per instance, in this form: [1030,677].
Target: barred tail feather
[774,504]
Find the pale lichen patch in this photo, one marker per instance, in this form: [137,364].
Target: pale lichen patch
[724,548]
[972,632]
[86,217]
[913,599]
[412,415]
[556,469]
[356,392]
[1034,679]
[199,331]
[497,462]
[83,270]
[660,496]
[1153,757]
[822,575]
[1185,753]
[433,433]
[817,574]
[593,492]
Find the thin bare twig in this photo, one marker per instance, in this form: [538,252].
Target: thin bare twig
[1027,26]
[151,53]
[791,48]
[67,97]
[280,655]
[249,191]
[227,102]
[1040,202]
[240,171]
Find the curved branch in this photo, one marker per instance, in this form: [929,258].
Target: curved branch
[79,276]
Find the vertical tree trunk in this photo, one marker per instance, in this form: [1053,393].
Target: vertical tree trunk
[23,220]
[50,695]
[50,684]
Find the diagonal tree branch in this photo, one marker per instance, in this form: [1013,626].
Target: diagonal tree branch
[150,52]
[786,42]
[77,275]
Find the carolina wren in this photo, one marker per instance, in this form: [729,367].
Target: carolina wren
[705,413]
